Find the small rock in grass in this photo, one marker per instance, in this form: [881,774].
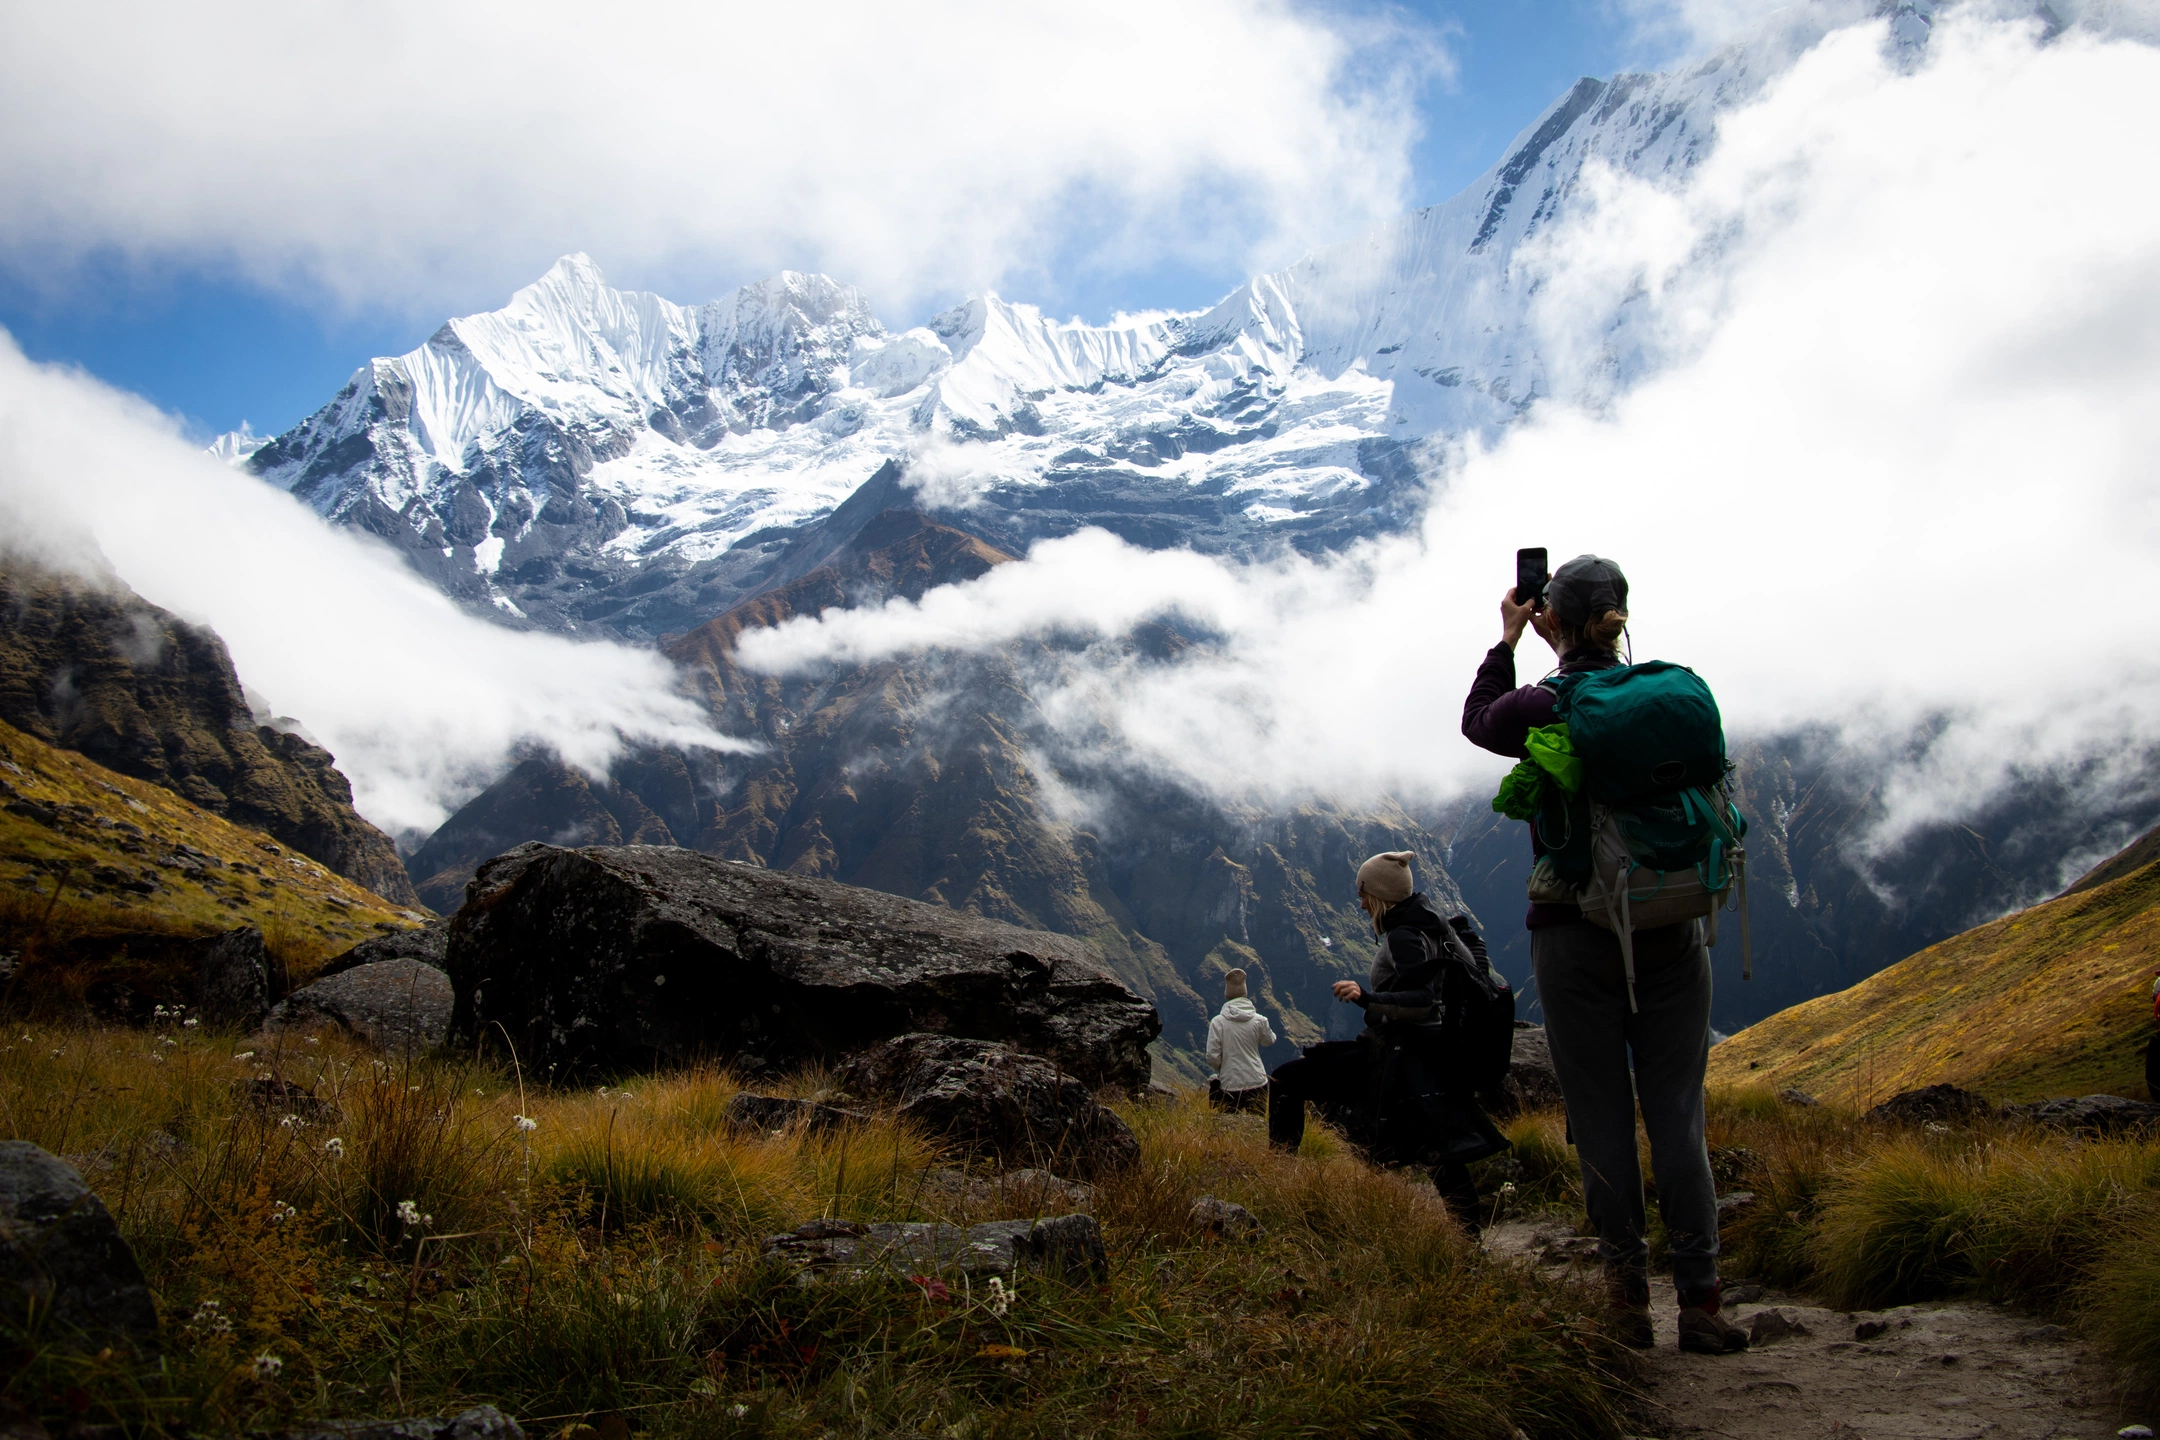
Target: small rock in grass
[482,1422]
[1770,1325]
[1729,1207]
[1742,1292]
[1942,1104]
[1797,1097]
[1869,1329]
[752,1114]
[2134,1432]
[1219,1217]
[1067,1246]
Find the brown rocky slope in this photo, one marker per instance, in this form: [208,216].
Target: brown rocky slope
[99,670]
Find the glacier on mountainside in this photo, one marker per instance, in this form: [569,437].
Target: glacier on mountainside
[607,461]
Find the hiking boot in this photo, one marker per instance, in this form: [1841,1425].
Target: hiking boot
[1705,1332]
[1627,1307]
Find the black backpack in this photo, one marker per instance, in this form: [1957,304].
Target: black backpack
[1478,1010]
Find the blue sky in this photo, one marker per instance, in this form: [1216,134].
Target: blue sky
[215,349]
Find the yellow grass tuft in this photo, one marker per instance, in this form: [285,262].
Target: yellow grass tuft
[603,1258]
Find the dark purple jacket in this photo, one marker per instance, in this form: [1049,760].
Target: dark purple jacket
[1498,716]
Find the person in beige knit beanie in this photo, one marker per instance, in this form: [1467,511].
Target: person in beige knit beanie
[1393,1085]
[1383,882]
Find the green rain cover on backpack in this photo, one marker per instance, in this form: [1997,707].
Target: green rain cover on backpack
[1663,840]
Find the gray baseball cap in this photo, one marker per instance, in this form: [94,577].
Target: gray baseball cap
[1585,588]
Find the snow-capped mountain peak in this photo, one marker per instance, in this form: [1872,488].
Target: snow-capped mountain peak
[593,456]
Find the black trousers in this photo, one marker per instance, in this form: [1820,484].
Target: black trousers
[1237,1102]
[1338,1077]
[2152,1066]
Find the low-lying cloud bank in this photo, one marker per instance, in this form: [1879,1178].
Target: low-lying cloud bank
[421,703]
[1894,462]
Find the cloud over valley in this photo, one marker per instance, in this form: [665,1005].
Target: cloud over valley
[1893,462]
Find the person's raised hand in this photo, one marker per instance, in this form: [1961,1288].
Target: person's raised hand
[1348,991]
[1514,618]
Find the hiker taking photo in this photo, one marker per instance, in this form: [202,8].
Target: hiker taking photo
[1635,846]
[1439,1025]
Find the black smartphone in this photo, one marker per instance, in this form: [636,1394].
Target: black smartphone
[1531,576]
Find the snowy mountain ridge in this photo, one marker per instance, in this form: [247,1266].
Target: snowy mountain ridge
[593,458]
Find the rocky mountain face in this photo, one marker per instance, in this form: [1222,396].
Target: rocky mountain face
[926,780]
[601,461]
[104,673]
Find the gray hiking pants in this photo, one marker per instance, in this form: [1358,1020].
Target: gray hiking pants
[1584,993]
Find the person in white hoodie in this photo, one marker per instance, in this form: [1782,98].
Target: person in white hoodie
[1235,1038]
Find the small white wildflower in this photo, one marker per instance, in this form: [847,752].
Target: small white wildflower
[209,1317]
[1936,1127]
[408,1214]
[188,1024]
[313,1041]
[738,1411]
[1507,1187]
[526,1123]
[336,1147]
[245,1055]
[1000,1302]
[267,1367]
[167,1040]
[280,1212]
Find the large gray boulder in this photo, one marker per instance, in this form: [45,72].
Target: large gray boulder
[993,1102]
[233,977]
[399,1006]
[616,958]
[63,1267]
[2089,1114]
[425,943]
[1531,1083]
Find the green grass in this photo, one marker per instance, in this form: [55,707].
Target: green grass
[608,1262]
[1868,1217]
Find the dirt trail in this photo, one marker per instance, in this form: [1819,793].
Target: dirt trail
[1955,1371]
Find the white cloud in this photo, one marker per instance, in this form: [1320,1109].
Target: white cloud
[420,703]
[1898,460]
[417,150]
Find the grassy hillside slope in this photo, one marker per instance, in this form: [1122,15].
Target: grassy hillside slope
[132,856]
[2054,1000]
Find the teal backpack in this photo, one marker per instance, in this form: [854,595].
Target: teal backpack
[1629,790]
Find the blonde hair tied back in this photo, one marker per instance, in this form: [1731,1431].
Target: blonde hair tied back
[1602,633]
